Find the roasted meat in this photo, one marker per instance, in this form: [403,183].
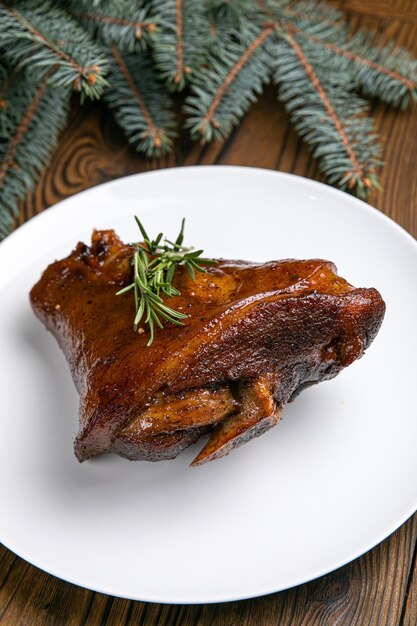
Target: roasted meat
[255,335]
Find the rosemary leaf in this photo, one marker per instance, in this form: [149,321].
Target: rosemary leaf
[154,263]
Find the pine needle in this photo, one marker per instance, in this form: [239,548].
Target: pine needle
[228,85]
[182,38]
[222,52]
[140,104]
[27,109]
[126,24]
[43,37]
[331,119]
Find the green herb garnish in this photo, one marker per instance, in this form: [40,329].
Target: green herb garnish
[154,265]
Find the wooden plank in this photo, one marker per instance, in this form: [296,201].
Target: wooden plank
[404,10]
[409,617]
[368,591]
[398,130]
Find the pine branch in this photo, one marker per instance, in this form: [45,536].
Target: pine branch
[223,50]
[44,37]
[88,4]
[25,148]
[231,21]
[3,75]
[182,40]
[129,26]
[233,12]
[329,117]
[140,104]
[6,78]
[318,17]
[228,85]
[387,73]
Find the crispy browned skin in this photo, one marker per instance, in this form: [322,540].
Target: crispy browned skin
[256,335]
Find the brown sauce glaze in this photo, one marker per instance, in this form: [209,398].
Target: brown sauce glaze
[255,335]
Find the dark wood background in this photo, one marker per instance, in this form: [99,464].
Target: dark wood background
[380,587]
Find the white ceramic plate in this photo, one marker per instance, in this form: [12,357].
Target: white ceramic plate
[333,479]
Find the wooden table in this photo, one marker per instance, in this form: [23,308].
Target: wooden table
[380,588]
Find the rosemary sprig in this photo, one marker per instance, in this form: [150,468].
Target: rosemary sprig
[154,264]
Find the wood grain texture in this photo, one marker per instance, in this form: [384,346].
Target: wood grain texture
[409,616]
[380,588]
[403,10]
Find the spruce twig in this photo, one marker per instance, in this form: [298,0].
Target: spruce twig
[43,37]
[140,104]
[220,52]
[383,71]
[373,68]
[328,116]
[25,148]
[224,90]
[182,38]
[315,17]
[130,27]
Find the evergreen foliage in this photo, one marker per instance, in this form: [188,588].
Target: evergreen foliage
[330,116]
[39,36]
[139,103]
[219,53]
[229,83]
[31,116]
[128,25]
[181,43]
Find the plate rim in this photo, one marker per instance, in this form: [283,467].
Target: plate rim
[46,215]
[22,228]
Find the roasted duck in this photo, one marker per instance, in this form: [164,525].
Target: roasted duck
[255,335]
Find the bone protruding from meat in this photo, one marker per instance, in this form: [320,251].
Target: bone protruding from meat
[255,334]
[258,413]
[174,422]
